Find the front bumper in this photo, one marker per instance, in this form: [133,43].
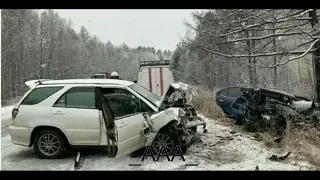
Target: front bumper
[20,135]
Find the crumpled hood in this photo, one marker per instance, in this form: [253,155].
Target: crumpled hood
[176,92]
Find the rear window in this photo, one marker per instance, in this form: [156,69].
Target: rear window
[39,94]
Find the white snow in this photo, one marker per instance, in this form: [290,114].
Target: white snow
[6,112]
[220,150]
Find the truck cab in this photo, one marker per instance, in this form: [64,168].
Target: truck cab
[156,76]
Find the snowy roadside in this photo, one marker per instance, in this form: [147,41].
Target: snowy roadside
[5,119]
[226,149]
[6,112]
[223,148]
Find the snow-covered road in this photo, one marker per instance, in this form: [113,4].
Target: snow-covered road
[224,147]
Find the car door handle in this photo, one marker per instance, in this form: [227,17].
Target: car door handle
[220,100]
[59,113]
[121,125]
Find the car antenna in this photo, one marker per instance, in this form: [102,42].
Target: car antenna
[39,80]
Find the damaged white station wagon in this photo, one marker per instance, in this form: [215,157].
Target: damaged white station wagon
[120,115]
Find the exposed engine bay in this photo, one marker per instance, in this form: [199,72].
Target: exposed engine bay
[179,96]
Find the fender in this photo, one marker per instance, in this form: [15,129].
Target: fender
[164,117]
[160,120]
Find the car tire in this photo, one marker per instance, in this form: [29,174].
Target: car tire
[49,144]
[169,139]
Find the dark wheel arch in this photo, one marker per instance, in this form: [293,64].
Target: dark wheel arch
[40,128]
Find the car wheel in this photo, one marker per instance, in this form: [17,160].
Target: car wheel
[167,139]
[49,144]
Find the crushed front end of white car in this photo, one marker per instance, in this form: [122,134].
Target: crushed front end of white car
[177,112]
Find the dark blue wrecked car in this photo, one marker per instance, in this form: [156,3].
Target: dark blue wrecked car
[265,109]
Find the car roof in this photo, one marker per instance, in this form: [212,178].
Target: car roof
[83,81]
[277,91]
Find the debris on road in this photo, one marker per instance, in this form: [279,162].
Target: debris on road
[257,168]
[278,139]
[78,161]
[279,158]
[222,138]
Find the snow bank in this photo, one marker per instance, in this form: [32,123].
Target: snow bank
[6,112]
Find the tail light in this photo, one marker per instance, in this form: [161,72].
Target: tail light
[14,113]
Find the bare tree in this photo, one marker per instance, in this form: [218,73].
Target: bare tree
[46,46]
[252,35]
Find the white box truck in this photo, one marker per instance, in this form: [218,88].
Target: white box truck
[156,76]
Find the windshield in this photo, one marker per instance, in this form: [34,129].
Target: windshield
[152,98]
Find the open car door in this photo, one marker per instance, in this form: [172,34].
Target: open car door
[128,122]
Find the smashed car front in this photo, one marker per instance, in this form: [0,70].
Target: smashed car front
[175,108]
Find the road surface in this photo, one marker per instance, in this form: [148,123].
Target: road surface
[221,149]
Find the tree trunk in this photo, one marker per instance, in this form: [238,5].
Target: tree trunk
[316,55]
[316,63]
[275,71]
[252,62]
[41,60]
[22,59]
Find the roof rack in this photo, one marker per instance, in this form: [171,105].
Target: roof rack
[154,63]
[98,73]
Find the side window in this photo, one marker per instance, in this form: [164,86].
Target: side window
[122,104]
[134,106]
[234,92]
[39,94]
[80,97]
[146,108]
[122,91]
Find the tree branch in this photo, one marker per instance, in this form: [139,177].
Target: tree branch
[254,16]
[263,54]
[272,40]
[313,37]
[298,57]
[257,38]
[295,13]
[279,28]
[302,54]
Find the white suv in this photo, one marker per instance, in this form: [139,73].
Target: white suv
[121,115]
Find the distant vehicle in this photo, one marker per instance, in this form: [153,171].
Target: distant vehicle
[156,76]
[121,115]
[101,76]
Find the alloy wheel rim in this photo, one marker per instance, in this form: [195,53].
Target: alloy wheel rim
[163,140]
[49,144]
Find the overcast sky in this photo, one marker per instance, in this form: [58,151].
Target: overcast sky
[161,29]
